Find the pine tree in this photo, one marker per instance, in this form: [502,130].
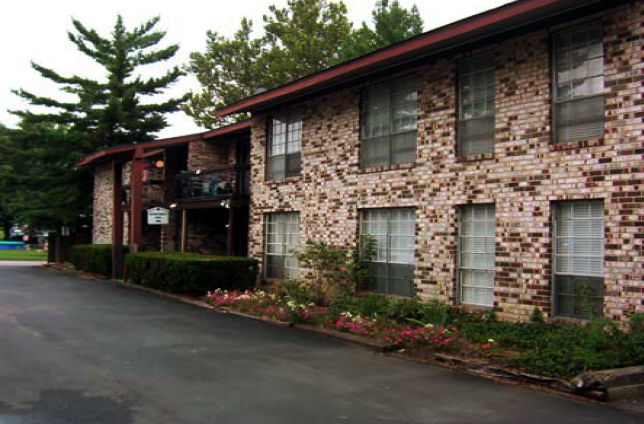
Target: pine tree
[111,112]
[37,159]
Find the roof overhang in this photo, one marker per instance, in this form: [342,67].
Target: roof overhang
[156,146]
[506,18]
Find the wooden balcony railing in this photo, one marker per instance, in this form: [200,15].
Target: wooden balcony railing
[221,182]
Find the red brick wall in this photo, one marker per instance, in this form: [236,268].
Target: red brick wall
[527,173]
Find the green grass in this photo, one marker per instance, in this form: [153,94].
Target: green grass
[22,255]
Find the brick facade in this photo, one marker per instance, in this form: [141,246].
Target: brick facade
[527,173]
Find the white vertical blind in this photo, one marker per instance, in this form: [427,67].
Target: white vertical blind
[282,238]
[477,255]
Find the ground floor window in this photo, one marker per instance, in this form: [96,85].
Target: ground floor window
[282,235]
[391,270]
[579,258]
[476,255]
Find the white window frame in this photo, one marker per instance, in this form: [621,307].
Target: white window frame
[285,145]
[473,278]
[471,71]
[568,82]
[387,134]
[280,247]
[395,250]
[578,244]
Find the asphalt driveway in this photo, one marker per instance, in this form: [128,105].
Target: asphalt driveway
[77,352]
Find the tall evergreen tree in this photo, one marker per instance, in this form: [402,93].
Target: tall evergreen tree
[119,109]
[111,111]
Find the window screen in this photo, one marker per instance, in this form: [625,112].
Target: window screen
[282,235]
[579,84]
[477,255]
[285,145]
[579,258]
[477,93]
[389,123]
[391,271]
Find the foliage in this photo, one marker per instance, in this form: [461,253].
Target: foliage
[537,315]
[302,38]
[94,258]
[391,23]
[328,267]
[116,110]
[38,181]
[190,273]
[37,160]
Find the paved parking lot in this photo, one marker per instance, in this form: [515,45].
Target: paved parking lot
[76,352]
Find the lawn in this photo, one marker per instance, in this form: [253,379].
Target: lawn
[22,255]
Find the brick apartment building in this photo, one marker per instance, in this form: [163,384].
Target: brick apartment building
[498,161]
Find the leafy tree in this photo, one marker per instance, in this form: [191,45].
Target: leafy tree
[304,37]
[6,188]
[391,23]
[111,112]
[228,71]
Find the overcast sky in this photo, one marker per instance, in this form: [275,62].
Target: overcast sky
[37,30]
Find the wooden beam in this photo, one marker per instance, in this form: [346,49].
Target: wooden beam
[117,220]
[136,201]
[231,234]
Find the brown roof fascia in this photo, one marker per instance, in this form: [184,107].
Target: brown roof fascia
[344,71]
[155,145]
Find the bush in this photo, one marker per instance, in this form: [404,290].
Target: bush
[94,258]
[190,273]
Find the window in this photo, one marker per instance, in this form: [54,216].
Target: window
[477,92]
[391,270]
[579,258]
[282,234]
[579,84]
[476,257]
[389,123]
[285,146]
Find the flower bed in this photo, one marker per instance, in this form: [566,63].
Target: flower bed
[423,329]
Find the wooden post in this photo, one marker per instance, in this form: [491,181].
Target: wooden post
[136,201]
[184,225]
[231,234]
[117,220]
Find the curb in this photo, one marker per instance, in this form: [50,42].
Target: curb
[347,338]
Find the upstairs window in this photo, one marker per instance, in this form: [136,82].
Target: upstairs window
[476,112]
[579,258]
[579,84]
[284,146]
[389,115]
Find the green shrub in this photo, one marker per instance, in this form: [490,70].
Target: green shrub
[190,273]
[94,258]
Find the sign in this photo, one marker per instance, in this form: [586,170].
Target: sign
[158,216]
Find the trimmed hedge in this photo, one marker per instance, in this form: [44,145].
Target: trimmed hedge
[190,273]
[95,258]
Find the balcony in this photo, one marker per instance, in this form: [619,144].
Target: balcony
[221,182]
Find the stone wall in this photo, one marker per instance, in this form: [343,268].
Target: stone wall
[527,173]
[102,204]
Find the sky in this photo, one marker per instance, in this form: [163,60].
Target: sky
[37,31]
